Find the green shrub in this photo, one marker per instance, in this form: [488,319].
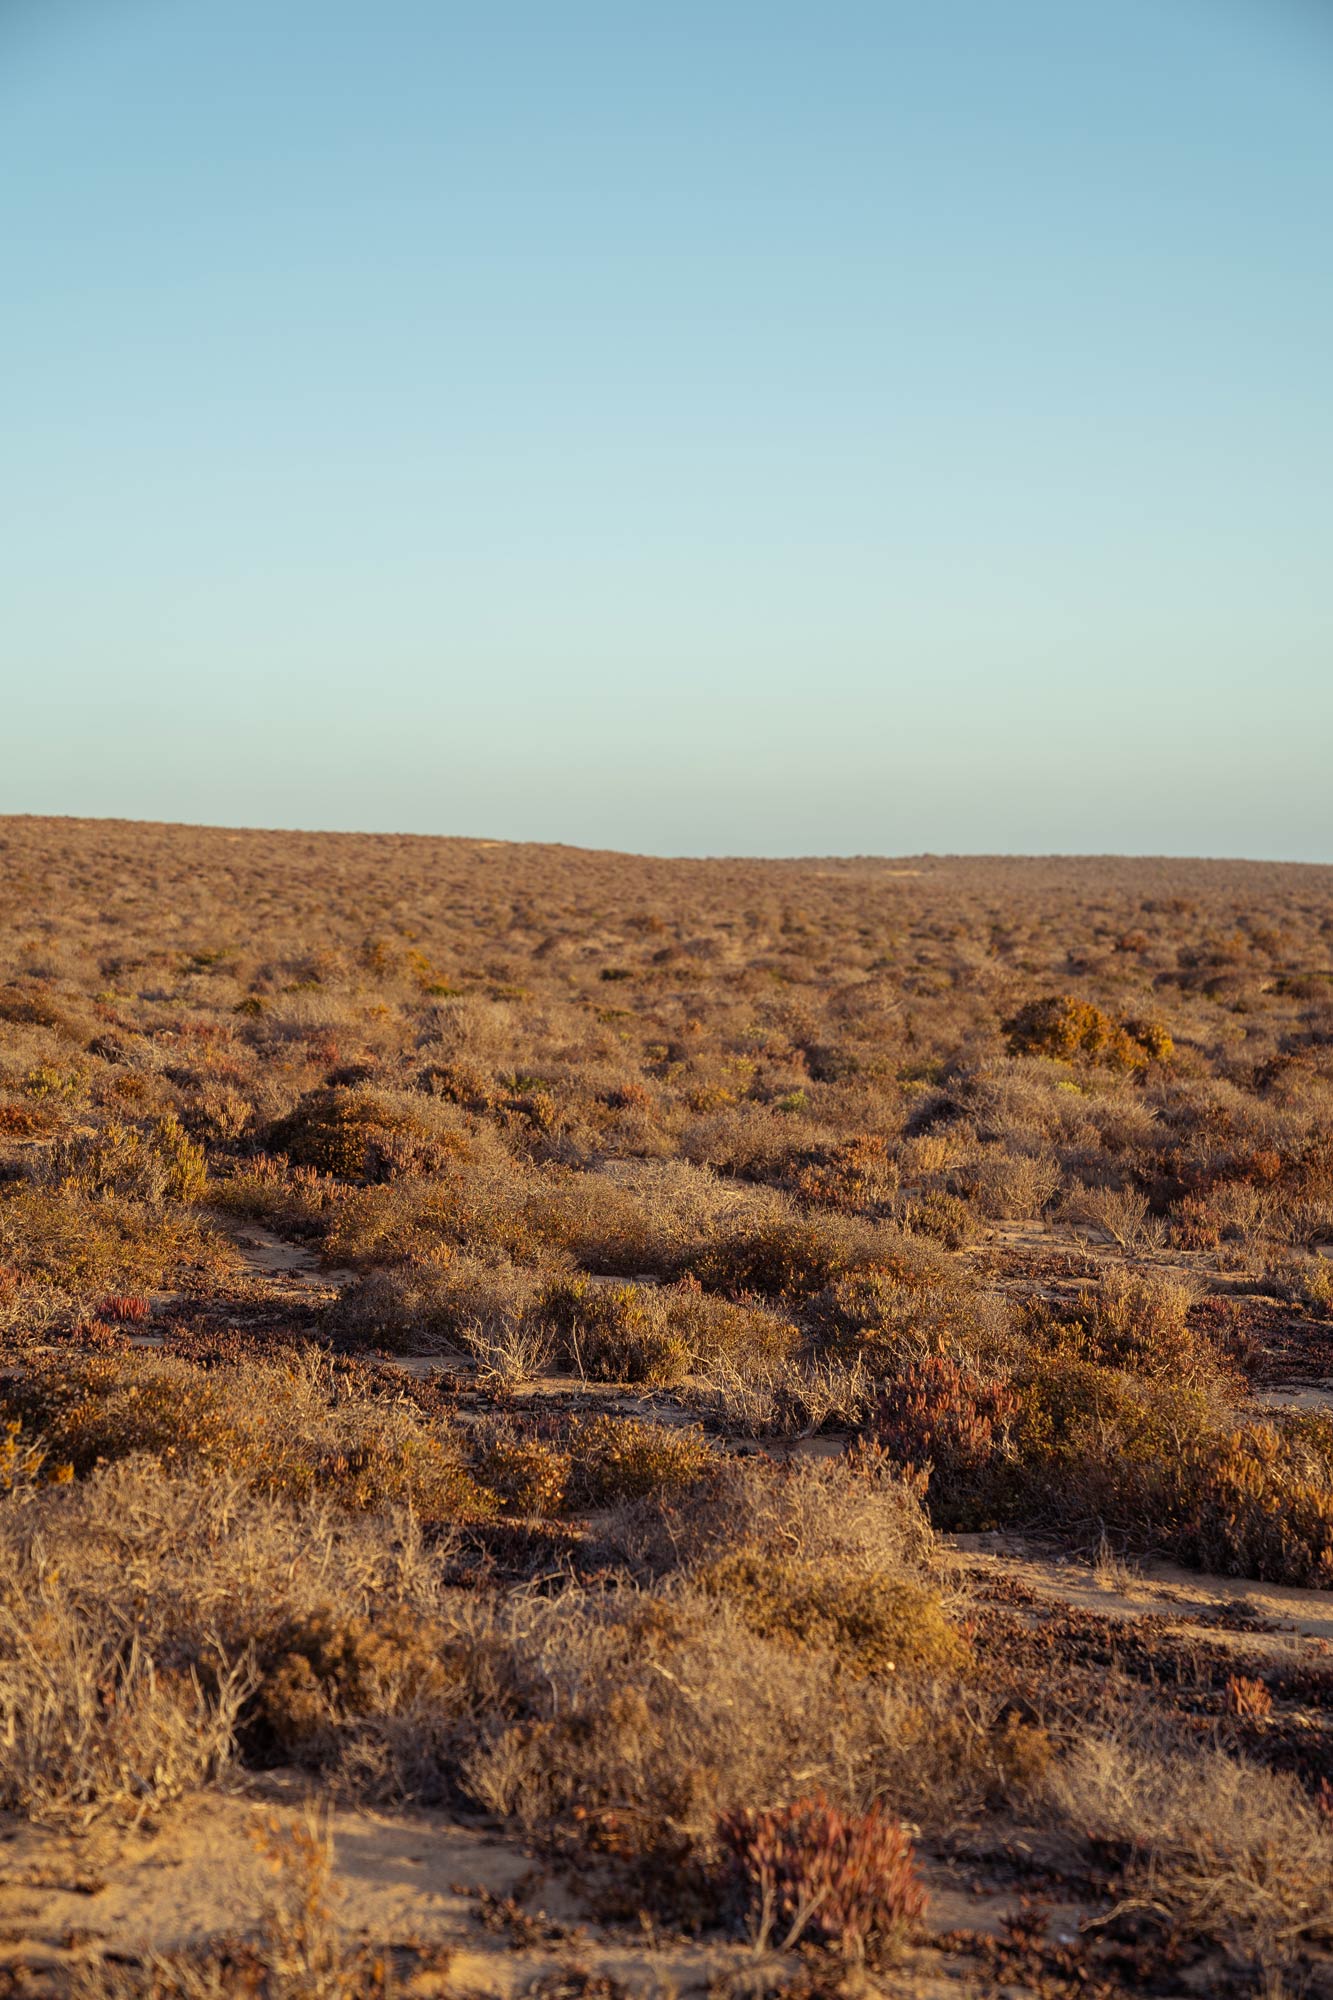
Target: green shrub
[615,1333]
[790,1257]
[151,1163]
[874,1624]
[620,1458]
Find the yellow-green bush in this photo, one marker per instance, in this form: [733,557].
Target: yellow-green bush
[615,1333]
[1065,1028]
[874,1624]
[359,1136]
[154,1162]
[620,1458]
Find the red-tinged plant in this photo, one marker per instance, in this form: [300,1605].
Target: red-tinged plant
[809,1869]
[100,1336]
[852,1176]
[941,1415]
[1248,1699]
[123,1308]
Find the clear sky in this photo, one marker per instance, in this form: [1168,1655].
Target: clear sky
[708,427]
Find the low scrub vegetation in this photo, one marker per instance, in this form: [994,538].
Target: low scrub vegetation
[668,1257]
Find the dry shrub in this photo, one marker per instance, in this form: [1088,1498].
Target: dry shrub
[643,1217]
[938,1214]
[853,1176]
[26,1121]
[793,1256]
[1090,1449]
[845,1879]
[36,1006]
[221,1115]
[23,1463]
[363,1136]
[1307,1281]
[1120,1213]
[510,1352]
[915,1304]
[615,1333]
[1256,1501]
[213,1563]
[295,1428]
[852,1515]
[496,1206]
[132,1609]
[90,1722]
[1007,1185]
[739,1334]
[954,1425]
[1138,1321]
[301,1954]
[1230,1848]
[328,1666]
[528,1475]
[750,1141]
[1248,1698]
[381,1703]
[412,1308]
[104,1243]
[1156,1461]
[652,1714]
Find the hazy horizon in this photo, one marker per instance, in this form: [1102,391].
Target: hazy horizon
[740,432]
[483,839]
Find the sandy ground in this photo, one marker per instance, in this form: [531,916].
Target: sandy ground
[1150,1589]
[398,1880]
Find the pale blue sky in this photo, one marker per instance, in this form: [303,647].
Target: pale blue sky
[709,428]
